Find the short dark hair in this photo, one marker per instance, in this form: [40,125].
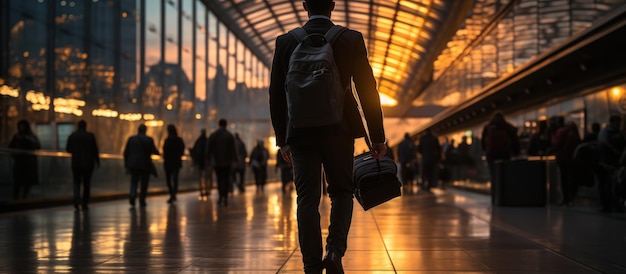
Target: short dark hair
[82,124]
[142,128]
[318,6]
[222,123]
[615,119]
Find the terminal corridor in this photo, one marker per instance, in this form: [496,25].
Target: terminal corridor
[446,231]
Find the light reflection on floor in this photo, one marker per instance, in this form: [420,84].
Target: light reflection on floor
[439,232]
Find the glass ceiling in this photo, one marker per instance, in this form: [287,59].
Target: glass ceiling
[398,34]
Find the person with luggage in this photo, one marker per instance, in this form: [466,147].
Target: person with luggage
[499,142]
[324,142]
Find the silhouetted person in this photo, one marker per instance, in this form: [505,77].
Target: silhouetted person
[173,150]
[85,156]
[258,161]
[286,171]
[592,136]
[566,141]
[466,162]
[222,153]
[329,147]
[500,142]
[240,169]
[611,145]
[25,167]
[540,141]
[407,157]
[201,164]
[556,123]
[138,162]
[430,150]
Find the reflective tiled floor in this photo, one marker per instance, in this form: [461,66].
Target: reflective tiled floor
[442,232]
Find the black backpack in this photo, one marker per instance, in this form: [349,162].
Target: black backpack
[315,95]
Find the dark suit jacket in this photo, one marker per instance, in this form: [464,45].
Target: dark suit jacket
[351,58]
[137,152]
[82,145]
[222,151]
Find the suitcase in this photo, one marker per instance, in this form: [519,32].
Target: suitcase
[520,183]
[376,182]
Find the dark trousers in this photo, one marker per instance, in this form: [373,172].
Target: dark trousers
[605,182]
[171,178]
[429,174]
[240,183]
[286,176]
[260,176]
[136,177]
[82,175]
[568,189]
[223,180]
[336,156]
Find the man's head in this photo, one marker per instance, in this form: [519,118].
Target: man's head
[615,121]
[319,7]
[142,128]
[82,124]
[222,123]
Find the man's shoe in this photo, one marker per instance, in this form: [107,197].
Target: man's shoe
[332,263]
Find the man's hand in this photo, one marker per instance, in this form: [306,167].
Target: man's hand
[378,150]
[286,153]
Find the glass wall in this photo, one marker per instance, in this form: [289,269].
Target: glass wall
[500,36]
[117,64]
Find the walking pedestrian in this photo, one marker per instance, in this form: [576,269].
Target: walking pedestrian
[331,145]
[173,150]
[85,156]
[138,162]
[223,156]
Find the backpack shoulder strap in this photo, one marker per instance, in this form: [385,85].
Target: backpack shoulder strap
[334,32]
[299,33]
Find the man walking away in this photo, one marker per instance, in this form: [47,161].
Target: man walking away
[329,144]
[407,156]
[173,150]
[200,162]
[137,161]
[85,156]
[223,156]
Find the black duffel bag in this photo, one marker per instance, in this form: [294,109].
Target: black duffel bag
[376,180]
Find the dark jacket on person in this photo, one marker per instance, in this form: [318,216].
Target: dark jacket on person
[137,152]
[25,166]
[611,144]
[407,151]
[430,149]
[500,132]
[173,150]
[84,149]
[567,139]
[199,151]
[222,151]
[351,59]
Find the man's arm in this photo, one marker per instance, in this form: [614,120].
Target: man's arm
[278,97]
[365,84]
